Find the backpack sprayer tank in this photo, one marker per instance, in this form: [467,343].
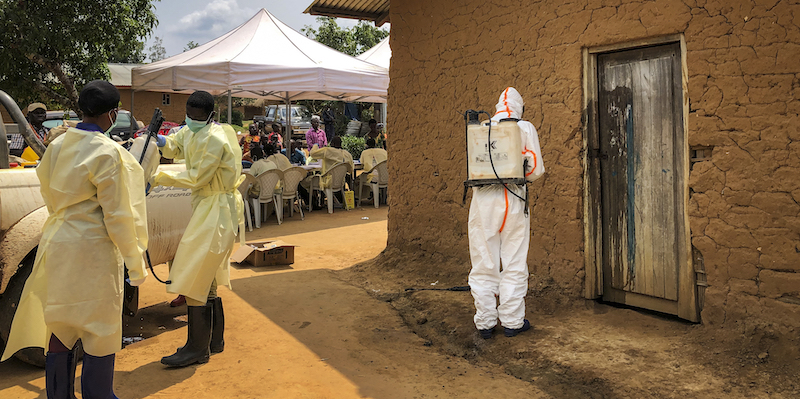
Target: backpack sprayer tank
[494,153]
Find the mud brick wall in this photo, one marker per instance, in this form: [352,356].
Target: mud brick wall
[145,102]
[744,71]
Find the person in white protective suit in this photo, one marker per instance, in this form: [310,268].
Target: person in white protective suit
[499,234]
[94,191]
[213,173]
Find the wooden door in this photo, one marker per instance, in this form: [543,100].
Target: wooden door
[642,179]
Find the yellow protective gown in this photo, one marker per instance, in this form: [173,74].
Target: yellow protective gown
[330,156]
[213,172]
[94,191]
[258,168]
[281,161]
[371,157]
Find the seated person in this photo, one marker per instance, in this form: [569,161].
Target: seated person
[280,160]
[274,135]
[247,138]
[255,142]
[369,158]
[297,156]
[329,156]
[260,165]
[336,142]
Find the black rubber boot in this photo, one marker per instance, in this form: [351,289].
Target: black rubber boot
[198,339]
[97,378]
[60,375]
[512,332]
[217,327]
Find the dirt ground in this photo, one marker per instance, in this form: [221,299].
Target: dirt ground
[586,349]
[292,332]
[324,329]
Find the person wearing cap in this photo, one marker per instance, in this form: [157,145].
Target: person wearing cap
[36,114]
[315,135]
[94,191]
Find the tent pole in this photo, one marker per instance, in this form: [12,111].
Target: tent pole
[230,111]
[287,135]
[133,116]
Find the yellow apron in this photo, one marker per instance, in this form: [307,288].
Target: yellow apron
[94,191]
[213,172]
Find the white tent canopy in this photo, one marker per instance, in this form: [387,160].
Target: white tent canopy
[380,54]
[265,58]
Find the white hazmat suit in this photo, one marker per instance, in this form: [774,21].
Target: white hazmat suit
[499,233]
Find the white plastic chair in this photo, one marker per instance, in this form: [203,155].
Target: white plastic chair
[382,181]
[267,182]
[337,174]
[291,179]
[244,189]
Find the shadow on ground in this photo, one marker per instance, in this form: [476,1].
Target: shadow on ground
[152,321]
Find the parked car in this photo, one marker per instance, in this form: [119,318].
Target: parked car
[123,128]
[301,118]
[56,118]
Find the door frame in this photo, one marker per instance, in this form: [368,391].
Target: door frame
[592,217]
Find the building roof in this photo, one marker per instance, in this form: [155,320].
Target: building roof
[370,10]
[121,74]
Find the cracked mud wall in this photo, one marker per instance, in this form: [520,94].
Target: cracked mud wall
[743,60]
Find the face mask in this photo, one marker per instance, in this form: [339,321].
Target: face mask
[194,125]
[113,125]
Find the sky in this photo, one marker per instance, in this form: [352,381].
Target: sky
[181,21]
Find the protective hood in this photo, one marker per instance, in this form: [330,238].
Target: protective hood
[509,105]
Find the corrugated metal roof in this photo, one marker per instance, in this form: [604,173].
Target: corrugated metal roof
[370,10]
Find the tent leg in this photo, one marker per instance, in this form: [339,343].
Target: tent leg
[133,116]
[230,110]
[288,133]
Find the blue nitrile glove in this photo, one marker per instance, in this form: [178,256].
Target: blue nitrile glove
[161,140]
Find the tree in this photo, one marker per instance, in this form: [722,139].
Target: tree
[157,50]
[135,56]
[353,41]
[52,47]
[190,46]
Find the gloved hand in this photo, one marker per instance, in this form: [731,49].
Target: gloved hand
[161,140]
[136,283]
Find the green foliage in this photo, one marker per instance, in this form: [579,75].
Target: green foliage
[237,128]
[353,41]
[190,45]
[340,124]
[51,48]
[367,113]
[236,116]
[354,145]
[134,56]
[157,52]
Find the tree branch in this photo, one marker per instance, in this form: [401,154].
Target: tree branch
[47,91]
[55,69]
